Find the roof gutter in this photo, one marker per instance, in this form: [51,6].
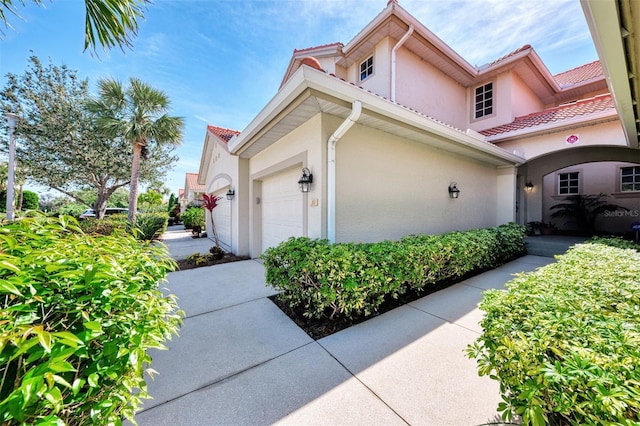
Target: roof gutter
[393,61]
[354,116]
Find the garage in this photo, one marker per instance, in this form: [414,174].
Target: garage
[222,219]
[282,208]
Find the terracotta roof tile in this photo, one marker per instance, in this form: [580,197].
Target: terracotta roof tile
[222,133]
[557,114]
[192,182]
[508,55]
[579,74]
[308,49]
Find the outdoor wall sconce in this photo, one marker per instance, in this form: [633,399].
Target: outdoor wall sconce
[306,180]
[230,194]
[528,186]
[454,192]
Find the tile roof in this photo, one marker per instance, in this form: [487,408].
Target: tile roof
[579,74]
[507,56]
[309,49]
[222,133]
[557,114]
[192,182]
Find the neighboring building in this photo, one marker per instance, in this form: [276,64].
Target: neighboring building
[192,191]
[181,200]
[218,169]
[378,123]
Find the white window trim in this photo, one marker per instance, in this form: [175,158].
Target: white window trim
[566,173]
[620,189]
[494,87]
[373,68]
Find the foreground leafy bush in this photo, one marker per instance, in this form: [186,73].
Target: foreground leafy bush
[564,341]
[77,315]
[355,279]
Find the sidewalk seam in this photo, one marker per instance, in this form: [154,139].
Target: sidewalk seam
[363,384]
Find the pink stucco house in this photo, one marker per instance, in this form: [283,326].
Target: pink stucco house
[394,133]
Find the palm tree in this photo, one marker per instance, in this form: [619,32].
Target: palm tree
[583,210]
[109,23]
[137,114]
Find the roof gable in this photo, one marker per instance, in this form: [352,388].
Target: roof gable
[191,183]
[222,133]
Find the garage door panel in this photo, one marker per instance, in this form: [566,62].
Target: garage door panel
[281,208]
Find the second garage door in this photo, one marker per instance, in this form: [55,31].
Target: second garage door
[281,208]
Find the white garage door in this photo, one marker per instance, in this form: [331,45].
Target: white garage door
[222,219]
[281,208]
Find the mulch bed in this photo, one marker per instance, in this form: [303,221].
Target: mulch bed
[319,328]
[183,264]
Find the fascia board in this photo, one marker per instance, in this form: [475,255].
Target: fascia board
[349,93]
[546,128]
[604,25]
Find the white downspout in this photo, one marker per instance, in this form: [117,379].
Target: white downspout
[393,61]
[356,110]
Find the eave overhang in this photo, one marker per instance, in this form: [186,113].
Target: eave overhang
[310,92]
[613,25]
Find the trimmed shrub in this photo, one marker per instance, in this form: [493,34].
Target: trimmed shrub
[77,316]
[615,242]
[109,225]
[30,201]
[347,280]
[151,225]
[563,340]
[193,217]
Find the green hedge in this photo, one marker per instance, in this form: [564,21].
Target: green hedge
[564,341]
[329,280]
[193,217]
[149,226]
[77,315]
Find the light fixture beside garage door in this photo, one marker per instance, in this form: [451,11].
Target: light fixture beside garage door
[454,192]
[230,194]
[306,180]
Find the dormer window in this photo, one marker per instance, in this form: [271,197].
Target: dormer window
[366,68]
[483,100]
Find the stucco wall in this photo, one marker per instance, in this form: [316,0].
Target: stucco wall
[523,100]
[502,113]
[378,82]
[421,86]
[609,133]
[389,187]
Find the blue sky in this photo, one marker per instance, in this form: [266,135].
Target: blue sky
[221,61]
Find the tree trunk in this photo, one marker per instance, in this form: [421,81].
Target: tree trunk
[135,176]
[100,205]
[20,192]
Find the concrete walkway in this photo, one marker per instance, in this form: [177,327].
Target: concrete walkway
[240,361]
